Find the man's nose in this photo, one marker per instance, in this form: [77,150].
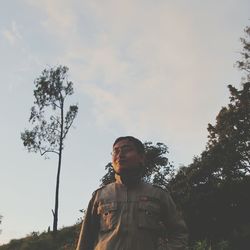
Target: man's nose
[120,153]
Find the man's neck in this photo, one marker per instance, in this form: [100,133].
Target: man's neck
[128,179]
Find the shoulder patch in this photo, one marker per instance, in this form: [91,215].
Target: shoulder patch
[102,187]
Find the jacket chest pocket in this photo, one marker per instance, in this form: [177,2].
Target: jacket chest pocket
[149,215]
[108,216]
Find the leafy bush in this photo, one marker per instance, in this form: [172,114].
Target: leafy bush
[66,239]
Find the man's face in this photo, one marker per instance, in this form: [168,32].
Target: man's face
[125,156]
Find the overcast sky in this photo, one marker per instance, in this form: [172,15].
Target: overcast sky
[157,70]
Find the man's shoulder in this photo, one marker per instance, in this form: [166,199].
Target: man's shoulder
[103,188]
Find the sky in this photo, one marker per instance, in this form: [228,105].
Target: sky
[157,70]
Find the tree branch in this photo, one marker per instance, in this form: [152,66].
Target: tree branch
[48,151]
[67,129]
[56,120]
[56,105]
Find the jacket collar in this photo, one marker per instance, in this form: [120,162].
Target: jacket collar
[127,180]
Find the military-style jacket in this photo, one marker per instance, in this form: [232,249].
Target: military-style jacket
[138,217]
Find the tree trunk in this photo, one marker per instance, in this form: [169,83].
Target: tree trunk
[55,213]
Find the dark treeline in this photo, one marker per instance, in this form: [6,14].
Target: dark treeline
[213,191]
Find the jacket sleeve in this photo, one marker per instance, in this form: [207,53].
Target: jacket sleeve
[177,232]
[89,229]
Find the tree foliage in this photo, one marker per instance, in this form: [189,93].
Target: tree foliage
[244,63]
[50,125]
[51,119]
[158,170]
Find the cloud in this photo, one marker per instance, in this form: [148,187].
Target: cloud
[148,67]
[60,18]
[165,77]
[105,100]
[12,34]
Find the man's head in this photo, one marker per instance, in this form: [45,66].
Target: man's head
[128,155]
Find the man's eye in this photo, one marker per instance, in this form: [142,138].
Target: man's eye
[122,150]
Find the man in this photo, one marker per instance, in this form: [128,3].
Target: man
[130,214]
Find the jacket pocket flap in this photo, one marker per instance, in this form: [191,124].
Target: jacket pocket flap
[107,207]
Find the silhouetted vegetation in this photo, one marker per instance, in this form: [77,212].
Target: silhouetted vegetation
[51,122]
[66,239]
[213,190]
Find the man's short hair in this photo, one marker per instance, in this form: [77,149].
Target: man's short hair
[137,143]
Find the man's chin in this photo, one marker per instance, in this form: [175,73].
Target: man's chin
[121,170]
[126,171]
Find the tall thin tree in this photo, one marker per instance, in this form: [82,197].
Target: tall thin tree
[50,120]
